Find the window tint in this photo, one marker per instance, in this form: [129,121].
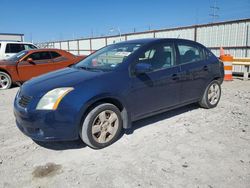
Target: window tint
[39,56]
[14,48]
[110,57]
[54,55]
[159,56]
[29,47]
[189,53]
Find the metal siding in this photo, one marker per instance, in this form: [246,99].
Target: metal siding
[238,69]
[57,45]
[75,52]
[84,44]
[182,33]
[234,52]
[140,36]
[51,45]
[230,35]
[248,37]
[85,52]
[73,45]
[64,45]
[111,40]
[98,43]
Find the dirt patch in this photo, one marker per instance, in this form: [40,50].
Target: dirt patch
[47,170]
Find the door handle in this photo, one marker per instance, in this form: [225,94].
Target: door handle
[175,77]
[205,68]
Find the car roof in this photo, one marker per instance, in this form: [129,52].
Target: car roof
[44,49]
[11,41]
[150,40]
[62,52]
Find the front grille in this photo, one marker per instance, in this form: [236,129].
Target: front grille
[24,101]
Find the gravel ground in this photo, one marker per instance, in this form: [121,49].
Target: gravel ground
[188,147]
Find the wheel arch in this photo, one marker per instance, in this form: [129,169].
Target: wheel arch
[218,78]
[112,100]
[5,71]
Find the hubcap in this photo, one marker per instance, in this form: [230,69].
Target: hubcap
[213,94]
[4,81]
[105,126]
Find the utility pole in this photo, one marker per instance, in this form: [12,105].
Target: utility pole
[92,33]
[214,11]
[149,27]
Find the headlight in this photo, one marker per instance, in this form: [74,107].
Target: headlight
[51,100]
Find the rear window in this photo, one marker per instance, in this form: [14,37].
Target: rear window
[14,48]
[189,53]
[39,56]
[54,55]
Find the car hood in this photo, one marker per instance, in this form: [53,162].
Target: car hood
[67,77]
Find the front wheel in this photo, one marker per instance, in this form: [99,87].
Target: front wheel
[102,126]
[5,81]
[211,96]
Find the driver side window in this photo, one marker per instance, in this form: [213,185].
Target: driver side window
[39,56]
[160,56]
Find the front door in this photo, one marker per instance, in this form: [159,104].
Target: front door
[41,63]
[159,88]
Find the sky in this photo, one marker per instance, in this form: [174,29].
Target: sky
[50,20]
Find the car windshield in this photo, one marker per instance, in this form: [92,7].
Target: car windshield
[17,56]
[109,57]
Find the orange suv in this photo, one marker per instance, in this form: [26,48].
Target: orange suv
[31,63]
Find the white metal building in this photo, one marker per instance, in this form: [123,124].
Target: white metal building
[12,37]
[233,36]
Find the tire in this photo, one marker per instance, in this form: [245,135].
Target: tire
[211,96]
[5,81]
[102,126]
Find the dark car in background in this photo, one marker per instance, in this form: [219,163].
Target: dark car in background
[31,63]
[115,86]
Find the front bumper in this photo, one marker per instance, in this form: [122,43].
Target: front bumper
[47,125]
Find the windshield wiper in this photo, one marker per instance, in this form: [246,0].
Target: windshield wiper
[90,68]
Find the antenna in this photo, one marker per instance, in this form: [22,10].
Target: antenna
[214,11]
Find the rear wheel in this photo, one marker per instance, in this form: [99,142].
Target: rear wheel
[102,126]
[211,96]
[5,81]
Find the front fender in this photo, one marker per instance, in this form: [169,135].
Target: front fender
[105,97]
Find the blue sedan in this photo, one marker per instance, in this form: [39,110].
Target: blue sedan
[101,95]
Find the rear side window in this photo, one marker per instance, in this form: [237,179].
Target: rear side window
[55,55]
[39,56]
[14,48]
[189,53]
[29,47]
[159,56]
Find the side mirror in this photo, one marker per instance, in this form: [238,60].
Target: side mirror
[30,60]
[142,68]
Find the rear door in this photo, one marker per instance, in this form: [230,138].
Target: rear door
[159,88]
[13,48]
[42,63]
[194,69]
